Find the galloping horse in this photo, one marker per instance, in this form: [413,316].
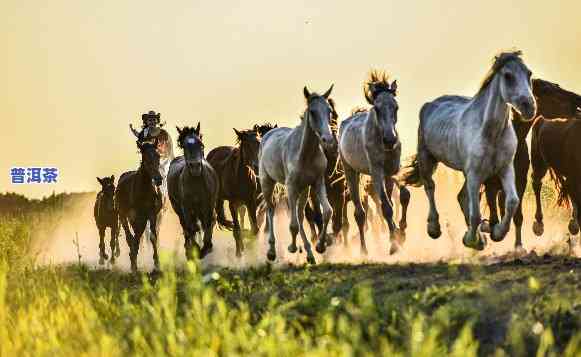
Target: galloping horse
[556,148]
[138,199]
[193,191]
[336,192]
[369,144]
[476,136]
[106,215]
[552,102]
[236,168]
[295,158]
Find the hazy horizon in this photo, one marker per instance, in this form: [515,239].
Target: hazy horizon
[75,74]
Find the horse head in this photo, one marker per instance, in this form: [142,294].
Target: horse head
[318,115]
[381,95]
[190,140]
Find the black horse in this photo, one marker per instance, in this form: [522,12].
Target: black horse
[236,167]
[193,191]
[138,199]
[106,216]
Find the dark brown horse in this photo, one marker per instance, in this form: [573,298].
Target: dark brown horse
[552,102]
[138,199]
[236,167]
[193,191]
[106,216]
[404,200]
[556,148]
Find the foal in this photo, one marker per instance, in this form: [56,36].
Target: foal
[295,158]
[106,215]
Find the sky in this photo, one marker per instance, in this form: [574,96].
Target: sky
[74,74]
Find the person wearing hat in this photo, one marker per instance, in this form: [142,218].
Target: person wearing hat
[152,131]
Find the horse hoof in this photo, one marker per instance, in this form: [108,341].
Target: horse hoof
[321,248]
[519,251]
[364,250]
[403,225]
[497,235]
[271,255]
[434,230]
[311,259]
[485,226]
[394,248]
[477,243]
[292,248]
[538,228]
[573,227]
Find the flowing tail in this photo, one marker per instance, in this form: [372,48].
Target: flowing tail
[563,194]
[409,175]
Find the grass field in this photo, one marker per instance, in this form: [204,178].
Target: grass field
[525,307]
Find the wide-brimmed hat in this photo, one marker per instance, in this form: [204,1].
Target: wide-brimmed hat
[150,114]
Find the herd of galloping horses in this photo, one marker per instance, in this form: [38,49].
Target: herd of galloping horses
[320,162]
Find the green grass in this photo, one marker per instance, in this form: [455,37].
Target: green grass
[516,308]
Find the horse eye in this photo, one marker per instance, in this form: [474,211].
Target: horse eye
[509,78]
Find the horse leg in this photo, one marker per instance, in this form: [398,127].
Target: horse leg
[293,196]
[310,216]
[472,238]
[337,218]
[491,191]
[138,227]
[510,201]
[345,221]
[102,254]
[242,214]
[396,238]
[321,193]
[404,199]
[153,239]
[113,229]
[233,205]
[540,169]
[427,166]
[267,185]
[129,238]
[574,222]
[251,208]
[300,212]
[208,226]
[352,178]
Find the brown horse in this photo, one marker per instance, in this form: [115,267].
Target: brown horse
[404,200]
[552,102]
[138,199]
[106,216]
[556,148]
[236,167]
[193,191]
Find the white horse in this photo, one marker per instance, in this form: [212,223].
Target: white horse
[369,144]
[295,158]
[476,136]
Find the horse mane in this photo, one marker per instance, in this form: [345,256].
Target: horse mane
[184,133]
[500,60]
[263,128]
[358,110]
[376,83]
[246,131]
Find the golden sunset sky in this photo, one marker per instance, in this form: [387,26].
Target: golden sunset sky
[74,74]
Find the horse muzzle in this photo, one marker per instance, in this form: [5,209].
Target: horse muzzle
[527,108]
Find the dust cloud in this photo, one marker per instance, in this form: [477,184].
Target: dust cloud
[75,237]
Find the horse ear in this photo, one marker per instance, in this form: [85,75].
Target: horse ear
[98,179]
[276,125]
[198,129]
[393,87]
[113,178]
[238,134]
[306,93]
[179,130]
[369,95]
[328,92]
